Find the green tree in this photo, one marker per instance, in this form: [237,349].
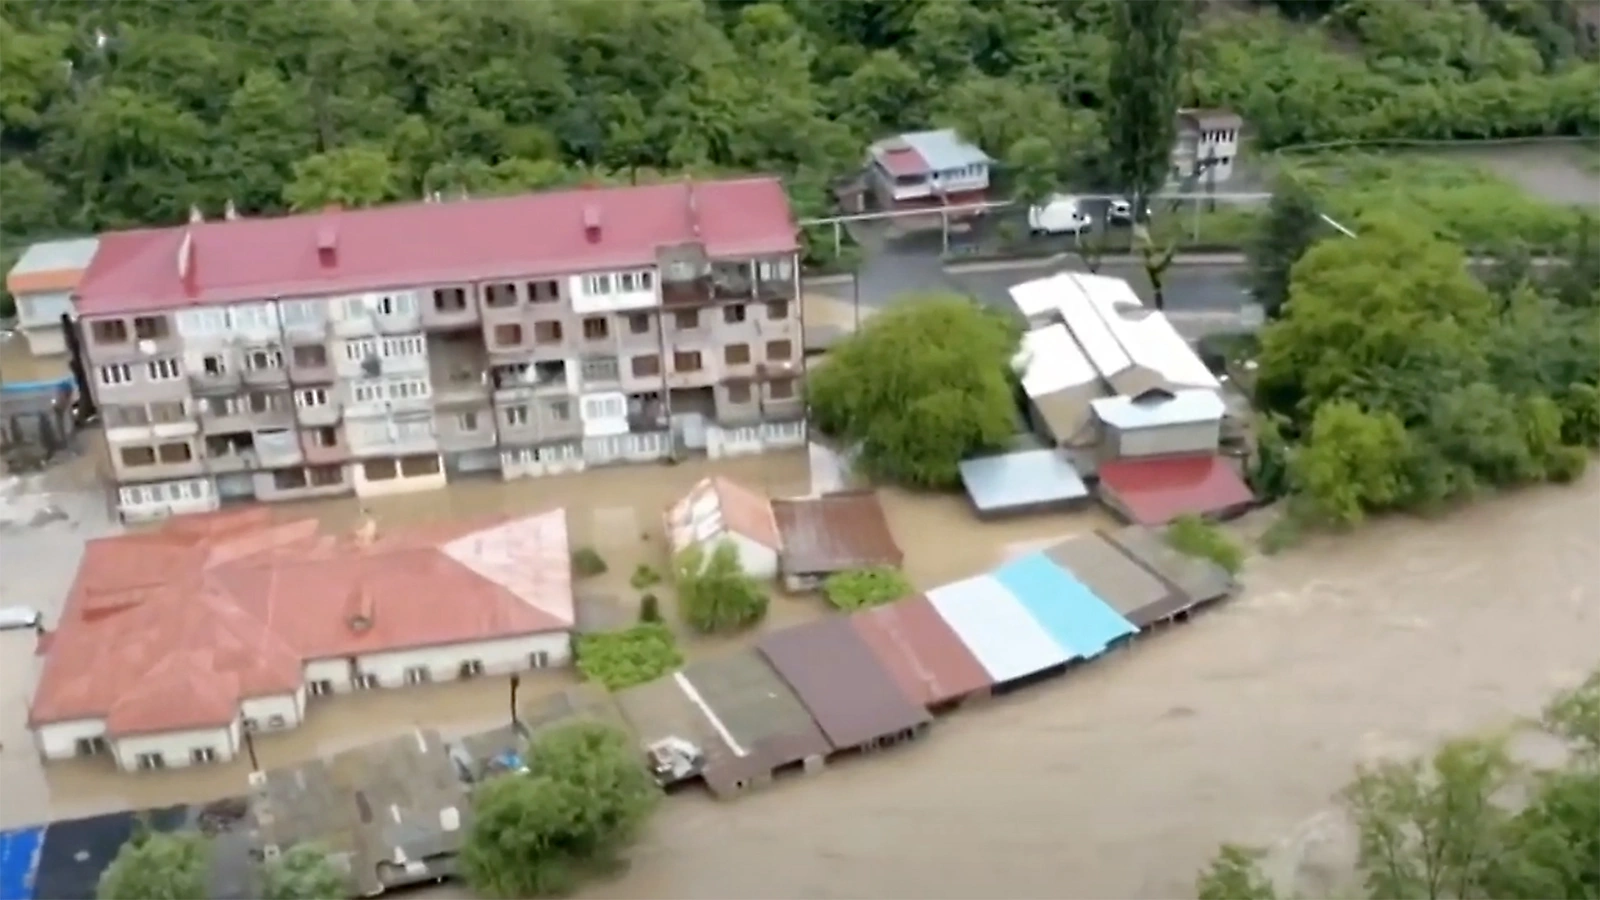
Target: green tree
[1196,537]
[348,177]
[920,387]
[864,588]
[714,593]
[1141,124]
[584,800]
[1292,225]
[1234,874]
[157,867]
[304,872]
[1352,462]
[622,659]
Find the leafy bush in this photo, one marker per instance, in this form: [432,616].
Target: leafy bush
[303,872]
[587,562]
[1197,537]
[157,866]
[862,588]
[622,659]
[649,608]
[714,593]
[644,577]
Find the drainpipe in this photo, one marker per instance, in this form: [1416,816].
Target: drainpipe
[87,407]
[805,358]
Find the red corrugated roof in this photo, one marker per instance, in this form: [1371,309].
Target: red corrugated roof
[1156,491]
[920,651]
[419,244]
[170,630]
[901,159]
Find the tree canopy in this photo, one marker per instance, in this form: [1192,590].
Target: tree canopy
[715,594]
[120,114]
[158,866]
[625,658]
[1468,821]
[920,387]
[583,801]
[303,872]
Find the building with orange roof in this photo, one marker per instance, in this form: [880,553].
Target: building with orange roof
[174,643]
[42,282]
[720,509]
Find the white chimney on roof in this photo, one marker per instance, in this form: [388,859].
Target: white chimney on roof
[230,212]
[195,215]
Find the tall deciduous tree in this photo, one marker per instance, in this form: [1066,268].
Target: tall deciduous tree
[584,799]
[349,177]
[715,594]
[303,872]
[1141,115]
[1292,225]
[920,387]
[157,867]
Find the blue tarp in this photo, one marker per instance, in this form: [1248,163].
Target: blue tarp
[30,387]
[19,862]
[1067,610]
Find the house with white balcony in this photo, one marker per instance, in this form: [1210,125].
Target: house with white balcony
[42,282]
[175,643]
[1207,147]
[927,170]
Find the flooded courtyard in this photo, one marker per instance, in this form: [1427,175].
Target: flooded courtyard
[1118,781]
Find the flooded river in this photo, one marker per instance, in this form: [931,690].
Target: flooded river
[1116,782]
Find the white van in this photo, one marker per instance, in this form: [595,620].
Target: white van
[19,617]
[1059,215]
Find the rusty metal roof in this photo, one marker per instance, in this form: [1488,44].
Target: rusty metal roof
[835,532]
[850,694]
[1126,586]
[1200,580]
[917,649]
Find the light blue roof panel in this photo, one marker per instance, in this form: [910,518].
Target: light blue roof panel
[19,862]
[1064,606]
[1027,478]
[944,149]
[1005,639]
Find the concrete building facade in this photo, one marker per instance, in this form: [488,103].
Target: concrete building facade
[389,350]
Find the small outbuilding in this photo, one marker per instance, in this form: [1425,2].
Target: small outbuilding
[1026,481]
[850,695]
[1137,594]
[1067,609]
[758,716]
[1201,581]
[920,652]
[1160,422]
[1154,491]
[999,631]
[720,509]
[832,533]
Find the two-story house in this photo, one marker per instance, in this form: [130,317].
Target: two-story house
[42,282]
[927,170]
[389,349]
[1207,146]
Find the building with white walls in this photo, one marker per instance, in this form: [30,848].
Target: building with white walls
[720,509]
[174,643]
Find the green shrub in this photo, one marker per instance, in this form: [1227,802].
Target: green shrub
[1567,464]
[1197,537]
[622,659]
[714,594]
[644,577]
[649,608]
[587,562]
[863,588]
[1281,535]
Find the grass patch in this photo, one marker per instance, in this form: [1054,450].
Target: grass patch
[864,588]
[1461,202]
[587,562]
[622,659]
[1195,536]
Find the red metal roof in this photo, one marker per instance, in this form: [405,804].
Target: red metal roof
[901,159]
[419,244]
[1156,491]
[171,629]
[925,657]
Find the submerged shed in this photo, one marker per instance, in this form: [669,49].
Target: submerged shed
[1155,491]
[1201,581]
[1079,621]
[1137,594]
[849,693]
[832,533]
[1022,482]
[999,631]
[918,649]
[767,727]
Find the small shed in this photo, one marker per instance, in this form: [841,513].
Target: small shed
[1201,581]
[1160,422]
[1071,613]
[921,653]
[720,509]
[849,693]
[1137,594]
[832,533]
[1155,491]
[1026,481]
[765,725]
[999,631]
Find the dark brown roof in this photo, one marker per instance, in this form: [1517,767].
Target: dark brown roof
[753,705]
[835,532]
[1200,580]
[1141,596]
[850,694]
[917,649]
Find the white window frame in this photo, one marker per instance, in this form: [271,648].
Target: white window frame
[597,285]
[467,421]
[776,269]
[515,415]
[356,351]
[164,369]
[320,687]
[116,374]
[418,675]
[149,762]
[263,360]
[365,681]
[606,407]
[202,755]
[311,398]
[367,391]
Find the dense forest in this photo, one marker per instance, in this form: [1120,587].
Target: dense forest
[123,113]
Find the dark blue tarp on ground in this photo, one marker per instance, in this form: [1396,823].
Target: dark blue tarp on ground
[76,851]
[19,860]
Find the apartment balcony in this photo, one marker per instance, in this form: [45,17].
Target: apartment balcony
[324,454]
[704,290]
[218,419]
[266,377]
[319,416]
[775,289]
[212,383]
[449,308]
[230,461]
[147,463]
[278,448]
[308,366]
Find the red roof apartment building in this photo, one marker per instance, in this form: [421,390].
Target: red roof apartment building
[390,349]
[174,643]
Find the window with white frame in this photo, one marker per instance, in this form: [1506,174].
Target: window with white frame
[148,761]
[164,369]
[604,407]
[356,351]
[203,322]
[354,307]
[558,453]
[263,360]
[254,317]
[776,269]
[365,681]
[300,312]
[311,398]
[396,305]
[418,675]
[409,389]
[467,421]
[597,284]
[367,391]
[402,347]
[203,755]
[516,415]
[116,373]
[418,430]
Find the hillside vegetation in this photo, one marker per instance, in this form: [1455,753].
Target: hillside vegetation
[120,114]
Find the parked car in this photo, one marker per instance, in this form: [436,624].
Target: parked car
[19,617]
[1121,212]
[1060,215]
